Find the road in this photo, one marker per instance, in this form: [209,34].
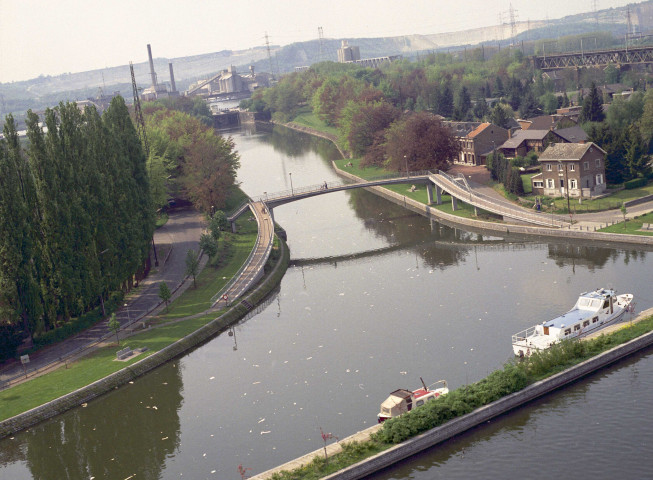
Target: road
[173,240]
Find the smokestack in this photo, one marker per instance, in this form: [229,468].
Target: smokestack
[149,54]
[172,78]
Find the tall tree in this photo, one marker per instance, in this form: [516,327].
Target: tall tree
[19,282]
[445,101]
[501,115]
[463,104]
[636,158]
[592,106]
[419,142]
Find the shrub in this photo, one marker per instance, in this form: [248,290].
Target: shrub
[635,183]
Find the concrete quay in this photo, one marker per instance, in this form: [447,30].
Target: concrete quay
[461,424]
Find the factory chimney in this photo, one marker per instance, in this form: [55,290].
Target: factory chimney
[149,54]
[172,78]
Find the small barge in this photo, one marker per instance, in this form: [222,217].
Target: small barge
[402,401]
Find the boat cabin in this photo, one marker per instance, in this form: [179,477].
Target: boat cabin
[402,401]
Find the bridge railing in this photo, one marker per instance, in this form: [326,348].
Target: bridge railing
[334,184]
[490,204]
[242,268]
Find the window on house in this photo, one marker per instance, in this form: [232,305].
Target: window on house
[599,179]
[598,162]
[595,319]
[538,184]
[560,167]
[572,167]
[568,331]
[586,323]
[548,167]
[586,165]
[419,403]
[572,184]
[576,327]
[549,183]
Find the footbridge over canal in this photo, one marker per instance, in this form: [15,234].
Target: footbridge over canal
[262,207]
[457,187]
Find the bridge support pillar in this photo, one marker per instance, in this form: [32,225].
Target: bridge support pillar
[475,211]
[429,193]
[270,211]
[454,203]
[438,194]
[233,227]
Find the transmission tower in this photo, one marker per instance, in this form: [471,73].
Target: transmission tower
[595,10]
[138,113]
[267,45]
[320,34]
[513,25]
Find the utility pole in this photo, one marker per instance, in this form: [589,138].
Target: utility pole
[320,34]
[267,45]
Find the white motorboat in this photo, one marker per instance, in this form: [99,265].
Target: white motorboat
[402,401]
[593,311]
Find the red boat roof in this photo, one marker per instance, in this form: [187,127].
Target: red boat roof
[420,392]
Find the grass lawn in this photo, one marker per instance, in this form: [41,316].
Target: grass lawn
[91,368]
[420,194]
[233,251]
[101,363]
[307,118]
[587,205]
[161,219]
[632,226]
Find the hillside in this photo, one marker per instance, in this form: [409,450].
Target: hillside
[46,91]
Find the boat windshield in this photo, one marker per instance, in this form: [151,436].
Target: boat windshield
[589,303]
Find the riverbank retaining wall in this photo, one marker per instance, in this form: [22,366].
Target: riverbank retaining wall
[502,228]
[490,411]
[461,424]
[141,367]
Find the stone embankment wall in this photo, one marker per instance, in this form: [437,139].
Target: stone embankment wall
[488,412]
[502,228]
[127,374]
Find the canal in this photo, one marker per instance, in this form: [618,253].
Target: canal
[376,298]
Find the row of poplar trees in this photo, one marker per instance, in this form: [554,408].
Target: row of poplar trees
[75,214]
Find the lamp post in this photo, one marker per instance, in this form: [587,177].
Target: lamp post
[292,191]
[406,160]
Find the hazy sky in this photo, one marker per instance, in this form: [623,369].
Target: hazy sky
[52,37]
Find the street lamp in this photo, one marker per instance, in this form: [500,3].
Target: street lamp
[292,192]
[406,160]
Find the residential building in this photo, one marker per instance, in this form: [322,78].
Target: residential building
[477,141]
[574,169]
[547,122]
[524,141]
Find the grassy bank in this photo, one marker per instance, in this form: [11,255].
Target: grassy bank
[513,377]
[101,363]
[632,226]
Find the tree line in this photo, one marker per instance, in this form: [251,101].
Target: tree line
[76,220]
[370,109]
[188,160]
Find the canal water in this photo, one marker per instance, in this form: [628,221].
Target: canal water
[377,297]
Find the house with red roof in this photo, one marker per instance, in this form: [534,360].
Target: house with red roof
[477,140]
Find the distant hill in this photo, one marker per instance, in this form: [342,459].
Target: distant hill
[49,90]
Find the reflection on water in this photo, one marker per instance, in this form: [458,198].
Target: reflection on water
[132,431]
[573,434]
[377,298]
